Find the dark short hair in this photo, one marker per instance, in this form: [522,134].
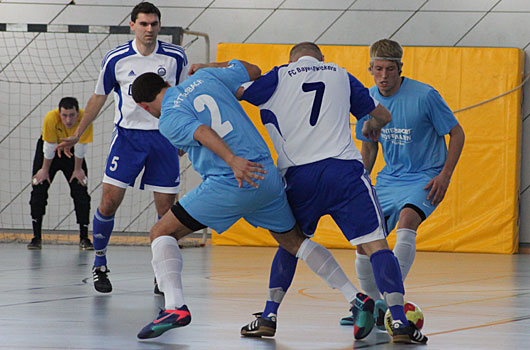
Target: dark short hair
[146,87]
[145,7]
[69,103]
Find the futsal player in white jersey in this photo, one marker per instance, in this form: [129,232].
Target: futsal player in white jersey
[136,142]
[418,163]
[306,108]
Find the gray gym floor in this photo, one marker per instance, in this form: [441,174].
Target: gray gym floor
[470,301]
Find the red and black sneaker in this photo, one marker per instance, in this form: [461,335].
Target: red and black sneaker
[166,320]
[363,316]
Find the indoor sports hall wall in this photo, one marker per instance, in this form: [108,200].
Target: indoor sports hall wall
[480,210]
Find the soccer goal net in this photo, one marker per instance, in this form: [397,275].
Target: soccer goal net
[40,64]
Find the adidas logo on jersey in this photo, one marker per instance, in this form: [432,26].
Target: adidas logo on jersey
[132,74]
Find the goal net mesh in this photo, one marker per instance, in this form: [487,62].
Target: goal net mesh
[37,69]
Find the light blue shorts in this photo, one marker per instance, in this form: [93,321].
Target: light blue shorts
[218,202]
[396,194]
[132,150]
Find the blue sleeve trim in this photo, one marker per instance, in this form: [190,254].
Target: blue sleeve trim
[268,117]
[262,89]
[361,103]
[109,77]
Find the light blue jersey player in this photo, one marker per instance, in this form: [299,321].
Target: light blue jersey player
[202,116]
[306,108]
[202,100]
[413,147]
[418,163]
[136,142]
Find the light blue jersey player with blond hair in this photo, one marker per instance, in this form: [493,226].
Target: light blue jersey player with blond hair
[418,163]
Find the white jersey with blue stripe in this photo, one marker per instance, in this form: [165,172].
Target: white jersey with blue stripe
[120,68]
[305,107]
[207,98]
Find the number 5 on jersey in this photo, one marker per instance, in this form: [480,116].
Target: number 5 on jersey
[217,124]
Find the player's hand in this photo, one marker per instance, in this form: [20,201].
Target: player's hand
[245,170]
[195,67]
[66,146]
[438,186]
[40,177]
[371,130]
[80,176]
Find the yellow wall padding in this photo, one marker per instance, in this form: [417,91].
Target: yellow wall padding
[480,210]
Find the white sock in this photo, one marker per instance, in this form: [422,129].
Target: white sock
[167,264]
[365,274]
[321,262]
[405,249]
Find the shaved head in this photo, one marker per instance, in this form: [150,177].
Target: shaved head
[305,49]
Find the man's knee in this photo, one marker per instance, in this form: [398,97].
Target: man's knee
[410,218]
[374,246]
[290,240]
[111,199]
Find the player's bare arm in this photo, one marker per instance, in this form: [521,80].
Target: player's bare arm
[244,170]
[91,112]
[440,183]
[379,117]
[369,153]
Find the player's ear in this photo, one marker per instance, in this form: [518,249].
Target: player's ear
[370,70]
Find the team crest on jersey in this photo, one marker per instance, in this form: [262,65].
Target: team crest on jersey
[161,71]
[132,74]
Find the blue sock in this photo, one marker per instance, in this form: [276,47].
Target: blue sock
[102,229]
[389,281]
[282,273]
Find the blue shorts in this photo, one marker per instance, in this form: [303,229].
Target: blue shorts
[132,150]
[218,202]
[400,192]
[340,188]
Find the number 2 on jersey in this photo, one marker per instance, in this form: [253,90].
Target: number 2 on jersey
[207,101]
[318,87]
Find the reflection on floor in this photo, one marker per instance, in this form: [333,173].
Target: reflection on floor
[470,301]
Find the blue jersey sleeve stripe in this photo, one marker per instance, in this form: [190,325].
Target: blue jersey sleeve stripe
[268,117]
[167,47]
[109,77]
[117,50]
[361,103]
[261,90]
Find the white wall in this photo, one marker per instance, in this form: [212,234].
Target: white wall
[491,23]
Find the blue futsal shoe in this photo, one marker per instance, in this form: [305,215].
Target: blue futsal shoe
[363,316]
[166,320]
[379,314]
